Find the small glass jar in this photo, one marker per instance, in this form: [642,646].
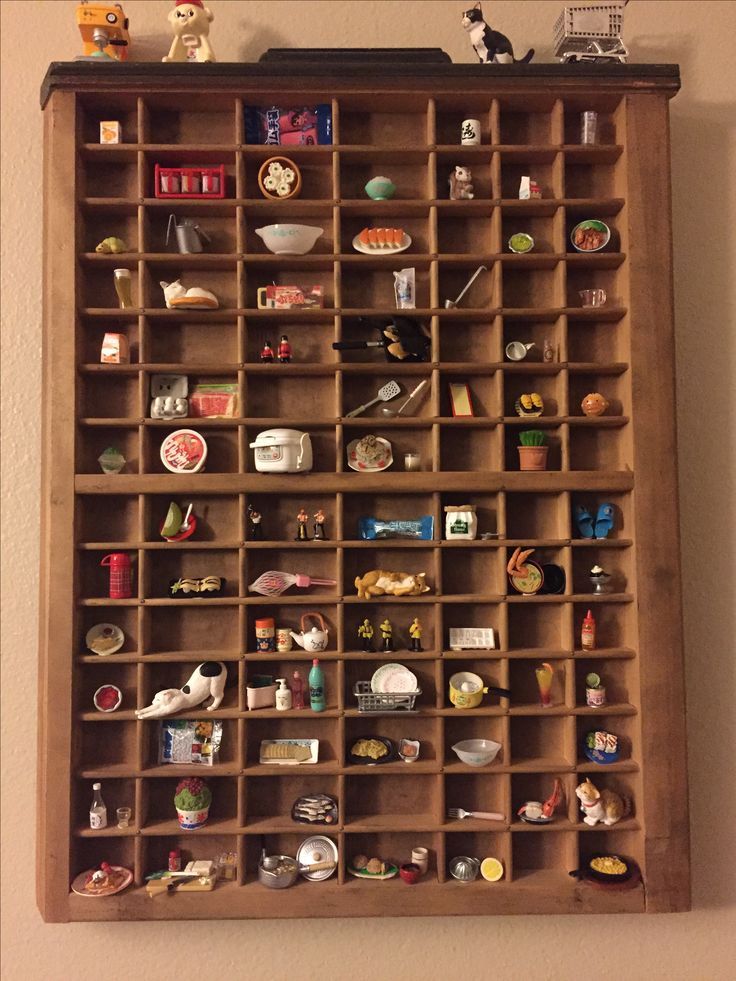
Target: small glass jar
[588,128]
[412,462]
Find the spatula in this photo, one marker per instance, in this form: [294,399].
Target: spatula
[389,391]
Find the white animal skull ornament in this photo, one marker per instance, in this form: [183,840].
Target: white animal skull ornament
[190,22]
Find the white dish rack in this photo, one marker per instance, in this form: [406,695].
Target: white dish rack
[591,33]
[371,701]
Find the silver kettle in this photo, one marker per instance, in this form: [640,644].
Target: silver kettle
[189,236]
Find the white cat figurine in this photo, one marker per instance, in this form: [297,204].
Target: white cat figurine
[207,680]
[194,298]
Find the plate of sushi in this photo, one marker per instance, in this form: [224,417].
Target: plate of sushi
[381,241]
[601,747]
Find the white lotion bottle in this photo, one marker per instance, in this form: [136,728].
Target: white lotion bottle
[283,696]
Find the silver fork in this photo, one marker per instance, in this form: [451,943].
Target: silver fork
[459,813]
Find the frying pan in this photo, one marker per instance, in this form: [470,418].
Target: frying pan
[402,339]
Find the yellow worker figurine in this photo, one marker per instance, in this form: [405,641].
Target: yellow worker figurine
[387,636]
[365,632]
[415,632]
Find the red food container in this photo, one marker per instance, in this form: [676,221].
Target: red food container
[120,575]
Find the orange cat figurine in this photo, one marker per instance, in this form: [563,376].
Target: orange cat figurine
[601,805]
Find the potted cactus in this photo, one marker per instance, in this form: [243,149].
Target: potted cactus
[192,801]
[533,452]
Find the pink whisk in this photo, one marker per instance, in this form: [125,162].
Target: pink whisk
[274,583]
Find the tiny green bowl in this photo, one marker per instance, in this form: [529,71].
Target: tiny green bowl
[521,243]
[598,226]
[380,188]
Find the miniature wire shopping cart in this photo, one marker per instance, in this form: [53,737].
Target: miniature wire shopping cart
[370,701]
[592,33]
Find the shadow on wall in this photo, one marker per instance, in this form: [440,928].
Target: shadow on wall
[259,40]
[704,260]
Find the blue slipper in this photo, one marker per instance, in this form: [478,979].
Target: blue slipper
[584,521]
[604,520]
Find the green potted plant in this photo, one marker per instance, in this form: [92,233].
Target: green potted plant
[533,452]
[192,801]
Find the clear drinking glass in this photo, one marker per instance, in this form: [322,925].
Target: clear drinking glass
[592,298]
[588,128]
[124,815]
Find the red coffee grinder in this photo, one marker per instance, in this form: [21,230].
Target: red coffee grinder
[120,575]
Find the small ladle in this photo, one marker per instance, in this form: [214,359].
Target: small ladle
[451,304]
[388,411]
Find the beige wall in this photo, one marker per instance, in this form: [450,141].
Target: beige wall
[700,36]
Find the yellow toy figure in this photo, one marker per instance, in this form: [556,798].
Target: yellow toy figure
[190,22]
[104,30]
[415,632]
[365,632]
[387,632]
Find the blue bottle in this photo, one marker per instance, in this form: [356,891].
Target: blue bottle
[317,687]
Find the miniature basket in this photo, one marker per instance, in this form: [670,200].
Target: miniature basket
[370,701]
[287,165]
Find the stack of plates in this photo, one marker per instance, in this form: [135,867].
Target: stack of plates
[393,679]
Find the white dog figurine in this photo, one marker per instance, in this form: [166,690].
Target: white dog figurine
[207,680]
[190,22]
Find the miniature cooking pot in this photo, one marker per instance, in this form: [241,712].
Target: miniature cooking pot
[283,451]
[278,880]
[466,690]
[315,640]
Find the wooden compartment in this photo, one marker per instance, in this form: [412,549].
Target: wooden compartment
[182,627]
[394,801]
[269,801]
[529,127]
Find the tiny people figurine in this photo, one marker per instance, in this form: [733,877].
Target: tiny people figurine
[267,353]
[255,517]
[415,632]
[284,350]
[387,636]
[365,632]
[319,525]
[302,518]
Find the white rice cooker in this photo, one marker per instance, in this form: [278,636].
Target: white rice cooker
[283,451]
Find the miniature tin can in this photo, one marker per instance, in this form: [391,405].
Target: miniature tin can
[284,642]
[595,697]
[265,635]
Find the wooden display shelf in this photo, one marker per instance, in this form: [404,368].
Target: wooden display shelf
[405,122]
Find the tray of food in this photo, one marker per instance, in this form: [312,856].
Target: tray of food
[372,750]
[288,752]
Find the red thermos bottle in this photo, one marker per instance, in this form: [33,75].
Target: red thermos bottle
[120,575]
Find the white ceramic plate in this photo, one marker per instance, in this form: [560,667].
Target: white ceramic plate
[381,250]
[384,463]
[104,638]
[393,679]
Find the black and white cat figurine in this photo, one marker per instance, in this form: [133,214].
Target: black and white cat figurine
[490,46]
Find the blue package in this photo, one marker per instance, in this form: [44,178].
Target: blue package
[420,528]
[300,126]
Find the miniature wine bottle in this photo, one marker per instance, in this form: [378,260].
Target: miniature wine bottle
[317,687]
[97,809]
[587,637]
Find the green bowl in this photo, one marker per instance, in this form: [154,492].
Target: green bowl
[380,188]
[521,243]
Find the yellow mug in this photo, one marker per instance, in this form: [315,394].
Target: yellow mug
[466,699]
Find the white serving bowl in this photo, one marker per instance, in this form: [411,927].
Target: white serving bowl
[284,239]
[477,752]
